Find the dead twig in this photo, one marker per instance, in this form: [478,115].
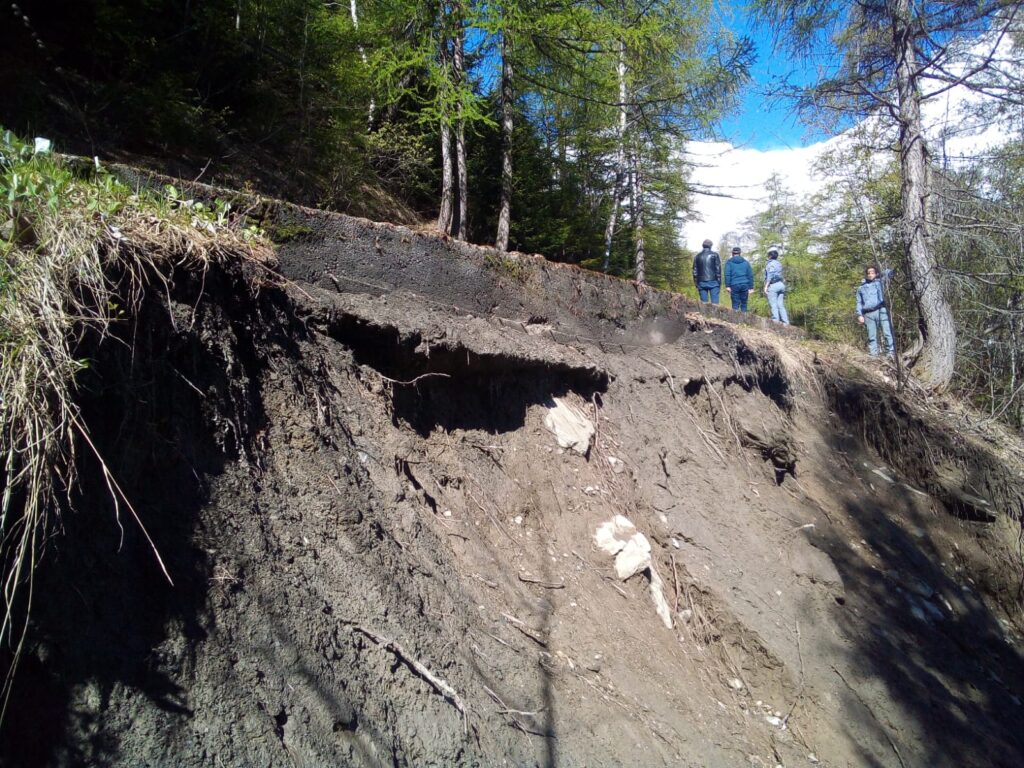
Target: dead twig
[539,583]
[704,435]
[396,382]
[489,514]
[800,689]
[419,668]
[871,712]
[675,579]
[527,630]
[506,710]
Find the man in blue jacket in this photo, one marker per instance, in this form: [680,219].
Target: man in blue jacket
[871,309]
[707,273]
[739,280]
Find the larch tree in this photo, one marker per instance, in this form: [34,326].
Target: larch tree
[894,55]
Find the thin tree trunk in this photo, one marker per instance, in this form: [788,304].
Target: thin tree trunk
[362,55]
[507,98]
[620,161]
[939,352]
[444,216]
[459,73]
[609,230]
[638,221]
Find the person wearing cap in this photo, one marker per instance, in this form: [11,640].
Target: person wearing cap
[871,310]
[775,287]
[707,273]
[739,280]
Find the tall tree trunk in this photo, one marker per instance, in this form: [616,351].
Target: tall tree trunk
[459,75]
[444,216]
[638,220]
[507,98]
[362,55]
[938,354]
[620,161]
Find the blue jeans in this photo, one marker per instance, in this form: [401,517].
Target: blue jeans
[709,291]
[739,298]
[776,300]
[880,317]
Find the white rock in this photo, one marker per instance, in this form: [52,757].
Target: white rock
[776,721]
[634,557]
[611,536]
[618,466]
[572,429]
[518,519]
[736,684]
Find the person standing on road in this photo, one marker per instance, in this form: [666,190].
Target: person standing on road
[775,287]
[872,312]
[707,273]
[739,280]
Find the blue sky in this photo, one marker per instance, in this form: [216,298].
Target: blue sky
[759,122]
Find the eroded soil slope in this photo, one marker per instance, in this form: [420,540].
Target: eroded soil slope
[381,556]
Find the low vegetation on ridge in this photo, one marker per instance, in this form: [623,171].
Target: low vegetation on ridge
[77,248]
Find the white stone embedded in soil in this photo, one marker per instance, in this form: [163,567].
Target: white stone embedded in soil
[634,557]
[612,535]
[632,551]
[572,429]
[617,465]
[736,684]
[776,721]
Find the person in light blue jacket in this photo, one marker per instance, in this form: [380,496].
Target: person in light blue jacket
[739,280]
[775,287]
[872,312]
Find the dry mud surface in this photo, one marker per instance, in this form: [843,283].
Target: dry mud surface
[381,557]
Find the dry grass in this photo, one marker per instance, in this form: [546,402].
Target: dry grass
[76,255]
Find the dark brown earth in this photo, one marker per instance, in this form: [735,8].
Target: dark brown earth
[369,527]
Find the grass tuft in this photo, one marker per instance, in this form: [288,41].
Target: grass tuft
[78,249]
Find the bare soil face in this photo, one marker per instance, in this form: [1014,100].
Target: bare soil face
[382,557]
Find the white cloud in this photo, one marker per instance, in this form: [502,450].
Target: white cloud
[736,176]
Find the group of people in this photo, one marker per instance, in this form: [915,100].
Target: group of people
[872,311]
[739,280]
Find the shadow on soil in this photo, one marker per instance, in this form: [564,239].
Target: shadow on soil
[166,416]
[926,685]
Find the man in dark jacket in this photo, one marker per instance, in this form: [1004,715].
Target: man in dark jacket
[739,280]
[871,310]
[707,273]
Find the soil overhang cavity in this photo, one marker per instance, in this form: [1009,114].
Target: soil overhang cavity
[463,375]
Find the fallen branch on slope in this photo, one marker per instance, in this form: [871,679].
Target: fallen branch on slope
[420,669]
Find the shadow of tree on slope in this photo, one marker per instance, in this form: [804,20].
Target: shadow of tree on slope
[924,686]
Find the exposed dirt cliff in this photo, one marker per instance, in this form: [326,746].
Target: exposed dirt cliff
[381,555]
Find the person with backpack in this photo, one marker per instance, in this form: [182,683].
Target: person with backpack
[707,273]
[739,280]
[775,287]
[872,312]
